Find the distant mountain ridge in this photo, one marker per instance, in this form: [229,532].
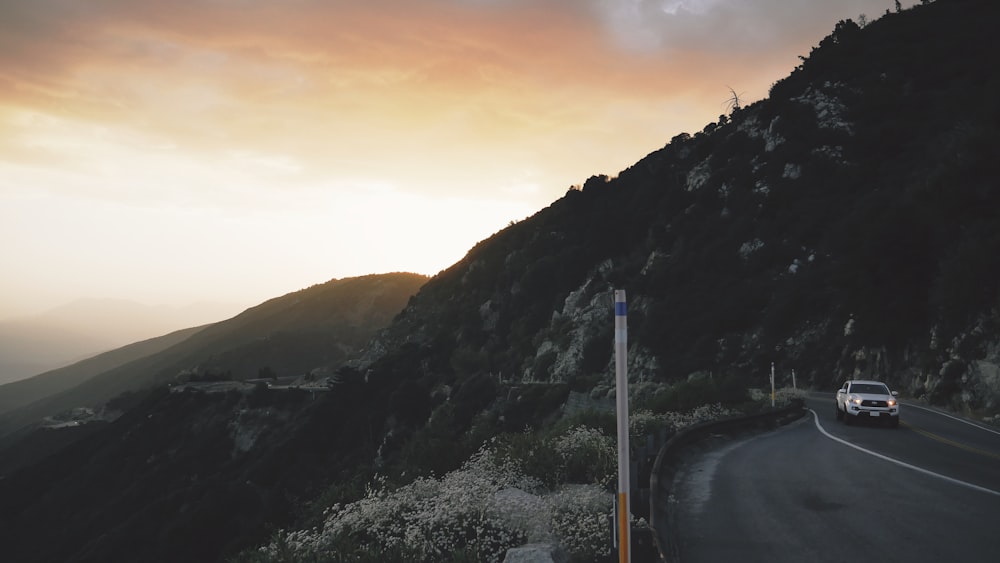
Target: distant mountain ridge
[314,327]
[25,391]
[30,345]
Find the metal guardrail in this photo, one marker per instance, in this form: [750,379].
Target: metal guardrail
[667,461]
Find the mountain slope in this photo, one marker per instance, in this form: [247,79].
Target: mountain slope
[25,391]
[844,226]
[288,335]
[40,343]
[181,477]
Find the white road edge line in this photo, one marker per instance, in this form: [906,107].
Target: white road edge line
[973,424]
[901,463]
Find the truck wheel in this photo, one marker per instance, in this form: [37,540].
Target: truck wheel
[840,415]
[848,419]
[894,423]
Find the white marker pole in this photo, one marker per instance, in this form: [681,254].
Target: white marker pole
[621,394]
[772,384]
[794,386]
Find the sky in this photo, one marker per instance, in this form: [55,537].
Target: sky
[231,151]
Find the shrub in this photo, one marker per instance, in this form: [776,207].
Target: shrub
[581,521]
[687,395]
[427,520]
[532,454]
[530,486]
[586,455]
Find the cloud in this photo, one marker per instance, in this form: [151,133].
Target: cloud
[722,27]
[336,83]
[270,121]
[354,88]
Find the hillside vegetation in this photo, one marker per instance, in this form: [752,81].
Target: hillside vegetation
[843,226]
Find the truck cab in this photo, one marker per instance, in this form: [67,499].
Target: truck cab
[860,399]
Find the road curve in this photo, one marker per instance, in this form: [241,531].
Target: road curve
[818,490]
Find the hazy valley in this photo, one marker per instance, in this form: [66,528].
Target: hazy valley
[33,344]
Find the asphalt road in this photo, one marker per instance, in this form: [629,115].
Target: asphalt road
[817,490]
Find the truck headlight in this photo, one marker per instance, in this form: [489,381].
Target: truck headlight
[891,402]
[856,401]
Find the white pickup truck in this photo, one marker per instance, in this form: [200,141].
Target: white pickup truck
[871,399]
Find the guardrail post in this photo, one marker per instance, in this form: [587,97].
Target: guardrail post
[621,391]
[772,384]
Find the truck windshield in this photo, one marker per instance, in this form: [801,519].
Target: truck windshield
[869,388]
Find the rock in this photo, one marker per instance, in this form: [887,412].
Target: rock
[536,553]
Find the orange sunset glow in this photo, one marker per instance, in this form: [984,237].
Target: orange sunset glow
[235,150]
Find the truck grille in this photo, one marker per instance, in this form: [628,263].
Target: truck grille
[868,403]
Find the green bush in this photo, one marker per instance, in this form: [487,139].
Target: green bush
[603,420]
[532,406]
[686,395]
[533,453]
[578,454]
